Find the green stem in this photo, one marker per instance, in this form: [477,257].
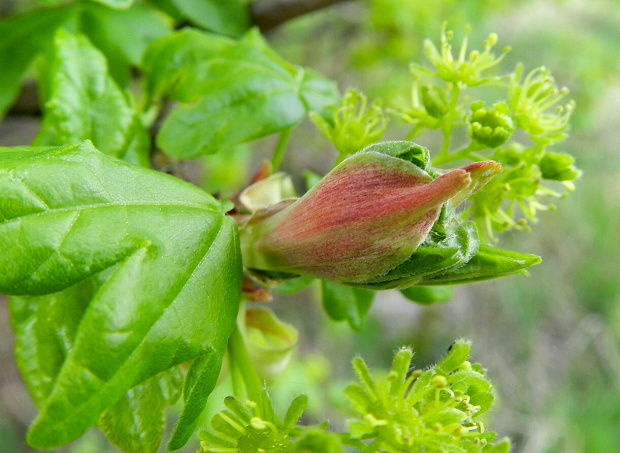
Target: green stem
[464,153]
[448,124]
[278,153]
[242,368]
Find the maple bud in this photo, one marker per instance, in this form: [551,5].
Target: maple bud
[364,218]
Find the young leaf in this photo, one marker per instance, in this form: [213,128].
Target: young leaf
[346,303]
[122,36]
[487,263]
[318,93]
[23,38]
[228,17]
[84,101]
[427,295]
[118,4]
[431,258]
[244,91]
[136,423]
[457,355]
[168,61]
[171,294]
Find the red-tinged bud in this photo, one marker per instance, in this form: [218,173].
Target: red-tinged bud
[481,173]
[367,216]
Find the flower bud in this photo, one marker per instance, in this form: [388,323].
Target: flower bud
[270,341]
[490,126]
[434,101]
[367,216]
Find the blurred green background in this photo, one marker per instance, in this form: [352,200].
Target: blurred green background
[551,341]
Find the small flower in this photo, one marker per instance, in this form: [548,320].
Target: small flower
[465,69]
[490,126]
[367,216]
[269,340]
[355,124]
[558,167]
[253,427]
[434,100]
[531,99]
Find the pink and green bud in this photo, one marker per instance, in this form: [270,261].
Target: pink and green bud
[367,216]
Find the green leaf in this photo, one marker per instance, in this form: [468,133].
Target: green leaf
[427,294]
[431,258]
[84,102]
[172,289]
[168,61]
[502,447]
[346,303]
[409,151]
[293,285]
[315,441]
[487,263]
[318,93]
[122,36]
[228,17]
[447,416]
[118,4]
[232,92]
[45,328]
[23,38]
[457,354]
[136,423]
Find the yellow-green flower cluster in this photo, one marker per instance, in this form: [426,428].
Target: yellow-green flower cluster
[355,124]
[465,68]
[435,410]
[534,101]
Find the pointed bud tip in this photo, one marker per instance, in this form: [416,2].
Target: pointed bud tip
[483,169]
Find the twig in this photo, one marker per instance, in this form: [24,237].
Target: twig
[268,14]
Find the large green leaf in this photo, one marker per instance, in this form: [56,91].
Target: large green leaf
[137,422]
[22,38]
[228,17]
[237,92]
[122,36]
[45,328]
[84,102]
[171,268]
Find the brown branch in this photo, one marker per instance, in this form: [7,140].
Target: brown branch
[268,14]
